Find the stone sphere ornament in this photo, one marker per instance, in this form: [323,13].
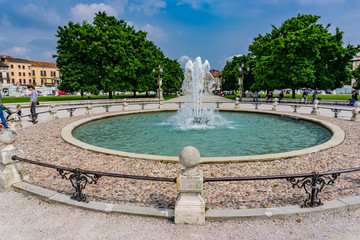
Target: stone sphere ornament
[189,157]
[8,136]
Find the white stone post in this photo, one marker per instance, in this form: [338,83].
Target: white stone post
[10,171]
[237,104]
[315,107]
[125,105]
[14,123]
[356,112]
[89,110]
[275,104]
[161,104]
[189,206]
[53,113]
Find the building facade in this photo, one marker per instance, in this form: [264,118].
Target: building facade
[217,77]
[356,64]
[24,72]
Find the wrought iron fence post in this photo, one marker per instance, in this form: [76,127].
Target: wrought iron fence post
[10,171]
[189,206]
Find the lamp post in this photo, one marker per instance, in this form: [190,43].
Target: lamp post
[241,79]
[158,72]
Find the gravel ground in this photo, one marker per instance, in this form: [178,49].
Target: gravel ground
[43,142]
[26,217]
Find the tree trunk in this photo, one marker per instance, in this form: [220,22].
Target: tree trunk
[147,94]
[82,94]
[293,93]
[134,93]
[110,95]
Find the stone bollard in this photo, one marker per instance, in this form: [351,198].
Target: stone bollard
[189,206]
[161,104]
[10,171]
[356,112]
[237,104]
[53,113]
[276,104]
[125,105]
[14,121]
[315,107]
[89,110]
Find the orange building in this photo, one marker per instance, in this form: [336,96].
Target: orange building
[216,74]
[27,72]
[356,64]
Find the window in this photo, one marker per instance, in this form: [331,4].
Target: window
[29,74]
[44,73]
[12,66]
[12,73]
[19,66]
[29,67]
[20,81]
[33,72]
[8,81]
[23,66]
[25,81]
[23,74]
[19,74]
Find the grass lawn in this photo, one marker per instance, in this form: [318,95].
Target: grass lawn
[72,98]
[299,96]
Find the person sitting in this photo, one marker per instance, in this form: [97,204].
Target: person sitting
[353,98]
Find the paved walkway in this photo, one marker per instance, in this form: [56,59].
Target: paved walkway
[26,217]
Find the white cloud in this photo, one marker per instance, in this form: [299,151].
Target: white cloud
[40,14]
[19,52]
[184,59]
[87,12]
[228,59]
[155,33]
[149,7]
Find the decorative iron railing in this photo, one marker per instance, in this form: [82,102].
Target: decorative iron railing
[312,183]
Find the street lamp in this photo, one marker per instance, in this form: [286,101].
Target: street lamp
[241,79]
[158,72]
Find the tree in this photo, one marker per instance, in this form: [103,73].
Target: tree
[356,76]
[231,73]
[301,54]
[107,55]
[173,75]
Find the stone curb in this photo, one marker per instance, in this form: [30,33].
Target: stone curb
[340,205]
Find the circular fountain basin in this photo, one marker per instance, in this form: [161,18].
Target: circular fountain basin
[246,136]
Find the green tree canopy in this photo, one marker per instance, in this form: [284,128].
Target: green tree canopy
[108,56]
[231,73]
[301,53]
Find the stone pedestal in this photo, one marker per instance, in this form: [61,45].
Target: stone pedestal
[315,107]
[14,120]
[237,104]
[161,104]
[275,104]
[189,206]
[356,112]
[89,110]
[10,171]
[53,113]
[125,105]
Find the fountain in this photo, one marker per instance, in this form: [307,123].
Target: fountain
[196,85]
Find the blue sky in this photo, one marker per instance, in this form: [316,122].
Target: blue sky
[183,29]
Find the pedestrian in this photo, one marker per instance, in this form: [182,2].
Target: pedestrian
[2,117]
[314,95]
[18,111]
[281,95]
[33,103]
[256,97]
[304,96]
[353,98]
[269,96]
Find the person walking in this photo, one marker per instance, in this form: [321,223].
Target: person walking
[33,103]
[256,97]
[314,95]
[304,96]
[2,117]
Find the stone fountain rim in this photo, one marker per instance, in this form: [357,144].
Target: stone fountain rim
[338,136]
